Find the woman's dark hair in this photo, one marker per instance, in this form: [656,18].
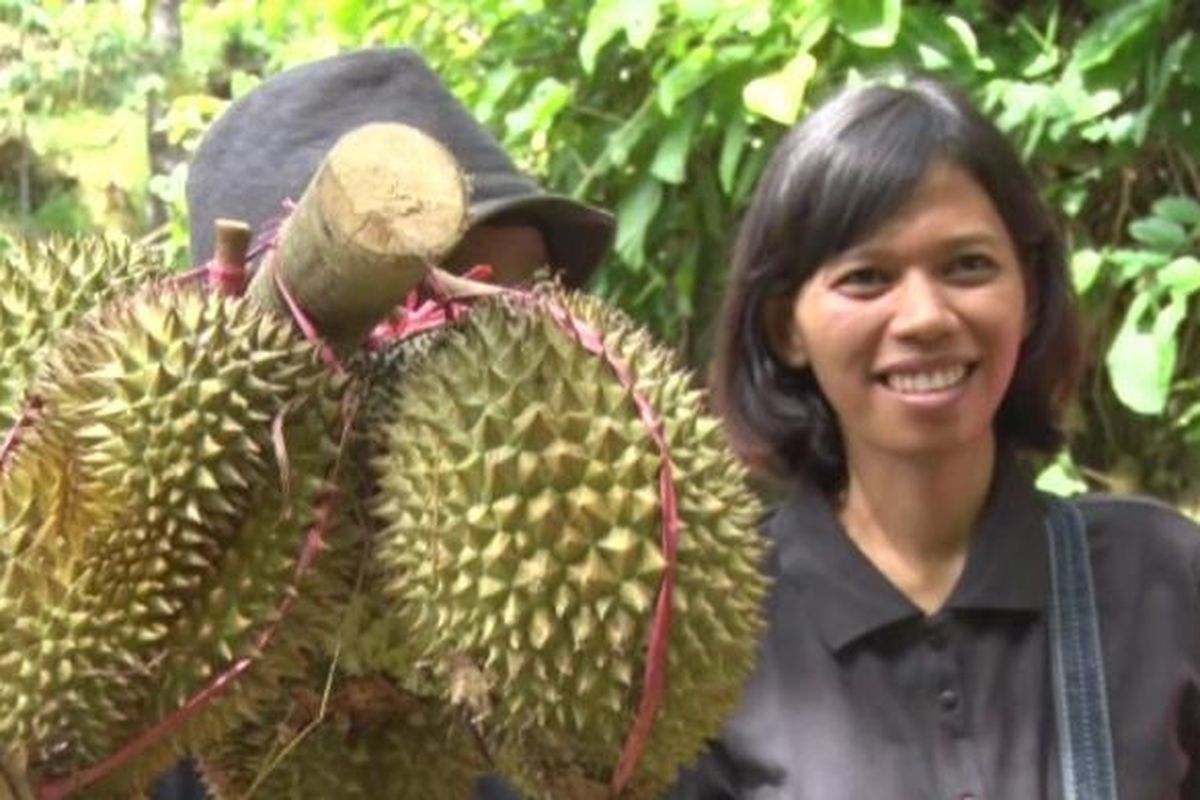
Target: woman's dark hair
[830,183]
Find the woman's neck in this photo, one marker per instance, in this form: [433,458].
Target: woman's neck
[914,518]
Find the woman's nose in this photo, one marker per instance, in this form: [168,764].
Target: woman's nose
[922,308]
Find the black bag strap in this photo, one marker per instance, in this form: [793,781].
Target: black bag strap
[1081,705]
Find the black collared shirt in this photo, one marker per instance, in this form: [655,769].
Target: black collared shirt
[858,695]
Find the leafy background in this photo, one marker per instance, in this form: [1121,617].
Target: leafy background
[665,111]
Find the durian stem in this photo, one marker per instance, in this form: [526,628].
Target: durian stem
[387,203]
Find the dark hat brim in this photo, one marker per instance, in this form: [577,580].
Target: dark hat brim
[577,235]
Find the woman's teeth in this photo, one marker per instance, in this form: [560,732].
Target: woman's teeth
[924,382]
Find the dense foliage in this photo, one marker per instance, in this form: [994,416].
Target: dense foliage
[665,111]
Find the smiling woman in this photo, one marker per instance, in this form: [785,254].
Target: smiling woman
[898,334]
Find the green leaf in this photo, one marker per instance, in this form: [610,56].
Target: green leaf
[779,96]
[1160,233]
[1141,362]
[1183,210]
[607,18]
[1181,276]
[622,141]
[1062,478]
[869,23]
[670,160]
[634,213]
[1104,37]
[687,76]
[731,151]
[1085,267]
[1132,263]
[548,98]
[965,35]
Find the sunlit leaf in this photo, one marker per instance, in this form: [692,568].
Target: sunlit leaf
[1062,478]
[869,23]
[1181,276]
[1085,267]
[544,103]
[965,35]
[607,18]
[1141,361]
[685,77]
[780,95]
[1106,35]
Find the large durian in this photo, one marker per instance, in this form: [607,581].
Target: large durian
[347,734]
[520,513]
[46,285]
[152,517]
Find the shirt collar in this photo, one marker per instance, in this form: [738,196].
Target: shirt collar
[1007,566]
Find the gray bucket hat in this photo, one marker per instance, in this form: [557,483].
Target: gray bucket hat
[267,146]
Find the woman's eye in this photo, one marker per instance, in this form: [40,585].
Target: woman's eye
[862,279]
[972,266]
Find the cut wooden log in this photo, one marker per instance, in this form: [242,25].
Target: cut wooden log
[385,206]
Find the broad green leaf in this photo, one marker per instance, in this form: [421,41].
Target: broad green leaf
[1085,267]
[1160,233]
[607,18]
[548,98]
[1183,210]
[731,151]
[1141,361]
[1181,276]
[869,23]
[780,95]
[622,141]
[634,213]
[811,25]
[1132,263]
[670,160]
[1106,35]
[685,77]
[1062,478]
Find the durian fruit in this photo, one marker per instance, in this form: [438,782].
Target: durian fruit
[152,518]
[519,510]
[46,285]
[344,735]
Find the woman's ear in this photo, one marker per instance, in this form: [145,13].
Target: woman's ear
[782,334]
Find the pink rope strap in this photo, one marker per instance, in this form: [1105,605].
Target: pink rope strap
[437,312]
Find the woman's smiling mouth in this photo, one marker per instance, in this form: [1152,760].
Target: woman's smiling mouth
[928,381]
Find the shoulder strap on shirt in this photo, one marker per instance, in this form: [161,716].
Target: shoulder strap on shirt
[1081,705]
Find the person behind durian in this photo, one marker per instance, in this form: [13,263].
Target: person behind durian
[898,337]
[265,148]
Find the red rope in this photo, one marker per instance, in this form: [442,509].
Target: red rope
[313,543]
[437,312]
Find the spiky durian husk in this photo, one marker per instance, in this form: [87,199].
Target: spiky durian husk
[374,740]
[149,531]
[518,496]
[46,285]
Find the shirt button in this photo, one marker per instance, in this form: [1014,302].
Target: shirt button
[948,699]
[937,637]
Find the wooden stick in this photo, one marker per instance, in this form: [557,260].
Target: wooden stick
[387,203]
